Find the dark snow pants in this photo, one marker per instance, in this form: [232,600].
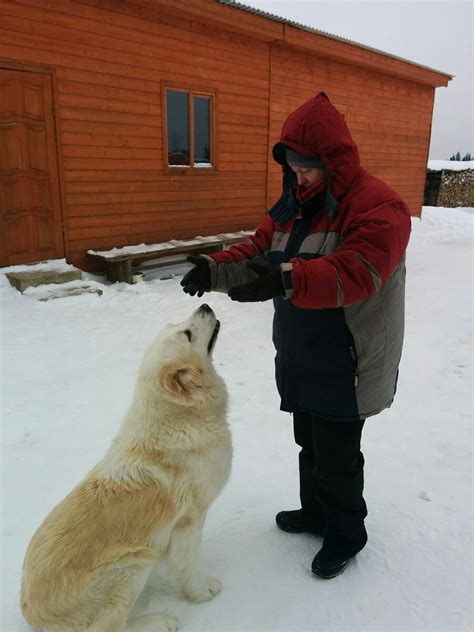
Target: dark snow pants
[332,480]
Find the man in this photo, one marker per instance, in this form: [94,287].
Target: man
[331,255]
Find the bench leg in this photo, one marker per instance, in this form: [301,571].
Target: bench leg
[120,271]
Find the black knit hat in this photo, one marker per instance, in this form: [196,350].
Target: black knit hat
[295,159]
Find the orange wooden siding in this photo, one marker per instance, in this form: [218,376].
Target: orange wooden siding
[389,118]
[109,70]
[110,60]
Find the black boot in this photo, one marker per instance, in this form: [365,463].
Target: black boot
[296,521]
[327,566]
[334,557]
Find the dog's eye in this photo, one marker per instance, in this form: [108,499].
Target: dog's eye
[187,333]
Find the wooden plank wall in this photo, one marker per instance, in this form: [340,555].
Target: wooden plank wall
[109,66]
[110,59]
[389,118]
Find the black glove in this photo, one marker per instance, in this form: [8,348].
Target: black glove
[198,279]
[268,285]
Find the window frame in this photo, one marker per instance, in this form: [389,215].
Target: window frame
[192,91]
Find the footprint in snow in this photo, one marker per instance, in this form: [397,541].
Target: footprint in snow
[424,495]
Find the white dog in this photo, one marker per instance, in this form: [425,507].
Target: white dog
[144,502]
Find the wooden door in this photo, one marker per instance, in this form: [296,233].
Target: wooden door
[30,203]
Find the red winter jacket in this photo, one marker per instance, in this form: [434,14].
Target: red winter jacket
[338,333]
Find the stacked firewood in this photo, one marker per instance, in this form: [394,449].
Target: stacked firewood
[457,189]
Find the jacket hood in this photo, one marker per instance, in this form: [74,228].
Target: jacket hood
[318,128]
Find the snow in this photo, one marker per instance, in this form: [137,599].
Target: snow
[56,265]
[200,165]
[450,165]
[50,290]
[68,371]
[167,245]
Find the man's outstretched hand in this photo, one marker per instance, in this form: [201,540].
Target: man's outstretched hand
[198,279]
[268,285]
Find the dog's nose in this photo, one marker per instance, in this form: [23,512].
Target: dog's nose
[205,308]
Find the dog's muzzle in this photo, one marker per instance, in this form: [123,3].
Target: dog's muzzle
[213,339]
[205,310]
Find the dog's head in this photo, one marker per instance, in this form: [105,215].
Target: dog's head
[179,361]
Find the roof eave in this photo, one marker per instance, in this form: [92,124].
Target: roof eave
[316,41]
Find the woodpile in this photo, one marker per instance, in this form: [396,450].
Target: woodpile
[457,189]
[449,188]
[432,186]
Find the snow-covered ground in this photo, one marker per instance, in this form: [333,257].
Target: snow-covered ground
[450,165]
[68,371]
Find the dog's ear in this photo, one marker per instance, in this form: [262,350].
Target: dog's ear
[181,380]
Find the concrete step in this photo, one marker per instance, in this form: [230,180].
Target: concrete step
[47,276]
[62,290]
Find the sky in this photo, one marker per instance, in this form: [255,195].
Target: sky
[435,34]
[67,385]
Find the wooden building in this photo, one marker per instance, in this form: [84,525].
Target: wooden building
[131,121]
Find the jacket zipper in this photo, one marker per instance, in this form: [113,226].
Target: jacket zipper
[355,362]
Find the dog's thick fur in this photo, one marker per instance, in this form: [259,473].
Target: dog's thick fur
[145,502]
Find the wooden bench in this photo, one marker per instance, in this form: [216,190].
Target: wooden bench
[119,260]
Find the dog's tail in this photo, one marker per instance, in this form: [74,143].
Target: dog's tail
[126,554]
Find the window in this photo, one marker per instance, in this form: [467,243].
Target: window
[189,128]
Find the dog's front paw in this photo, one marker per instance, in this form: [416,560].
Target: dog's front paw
[209,588]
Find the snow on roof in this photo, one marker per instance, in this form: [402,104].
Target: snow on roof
[310,29]
[450,165]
